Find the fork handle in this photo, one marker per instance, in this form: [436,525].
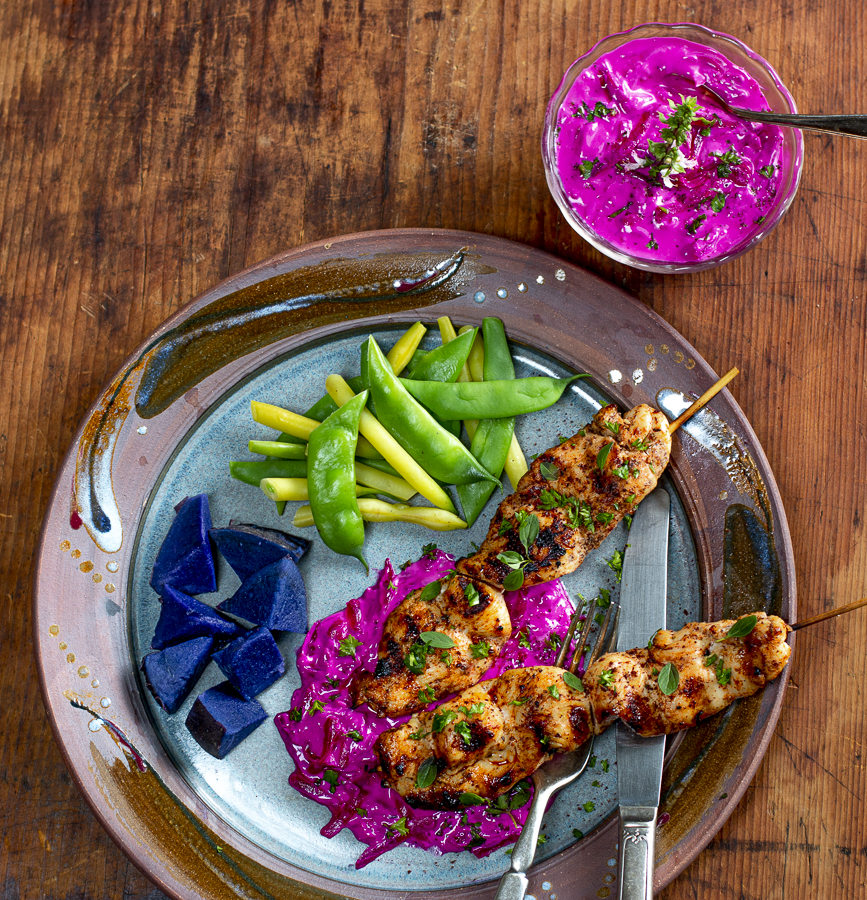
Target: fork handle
[853,125]
[513,885]
[637,846]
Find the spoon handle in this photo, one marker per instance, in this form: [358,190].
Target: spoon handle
[855,126]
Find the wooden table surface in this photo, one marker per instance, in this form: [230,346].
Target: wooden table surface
[150,148]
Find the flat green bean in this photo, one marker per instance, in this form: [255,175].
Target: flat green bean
[488,399]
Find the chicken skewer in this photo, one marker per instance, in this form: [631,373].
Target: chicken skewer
[489,737]
[572,497]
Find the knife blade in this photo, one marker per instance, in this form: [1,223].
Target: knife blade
[639,760]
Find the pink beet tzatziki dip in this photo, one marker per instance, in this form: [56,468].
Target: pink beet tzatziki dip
[653,164]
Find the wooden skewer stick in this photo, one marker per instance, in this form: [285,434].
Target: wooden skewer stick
[708,395]
[830,614]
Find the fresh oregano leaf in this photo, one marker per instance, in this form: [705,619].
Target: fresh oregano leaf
[742,627]
[427,773]
[437,639]
[669,679]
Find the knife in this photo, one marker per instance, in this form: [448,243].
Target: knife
[639,759]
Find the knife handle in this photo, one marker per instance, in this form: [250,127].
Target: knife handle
[637,846]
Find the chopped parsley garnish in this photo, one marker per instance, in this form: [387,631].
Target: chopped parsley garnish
[542,839]
[296,714]
[653,246]
[505,527]
[554,641]
[427,695]
[613,427]
[524,638]
[416,658]
[441,719]
[600,110]
[604,764]
[316,706]
[552,690]
[463,731]
[480,650]
[767,171]
[718,201]
[621,472]
[616,564]
[355,735]
[330,776]
[577,834]
[695,224]
[604,518]
[429,551]
[586,168]
[418,735]
[606,678]
[519,702]
[589,806]
[474,709]
[616,213]
[347,646]
[603,601]
[725,161]
[400,825]
[472,594]
[669,679]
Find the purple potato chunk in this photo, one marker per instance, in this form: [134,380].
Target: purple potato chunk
[172,673]
[251,662]
[185,561]
[183,617]
[248,548]
[221,718]
[274,597]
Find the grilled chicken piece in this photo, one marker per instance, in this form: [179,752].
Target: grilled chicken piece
[713,672]
[410,673]
[578,496]
[495,733]
[487,739]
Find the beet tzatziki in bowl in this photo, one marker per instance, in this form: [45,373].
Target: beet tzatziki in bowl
[647,166]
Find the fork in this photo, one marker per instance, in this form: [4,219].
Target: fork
[852,125]
[564,768]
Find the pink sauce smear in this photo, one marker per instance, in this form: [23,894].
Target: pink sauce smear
[701,213]
[320,743]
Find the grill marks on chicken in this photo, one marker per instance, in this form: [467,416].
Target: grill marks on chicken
[498,732]
[487,739]
[713,672]
[577,501]
[410,673]
[578,496]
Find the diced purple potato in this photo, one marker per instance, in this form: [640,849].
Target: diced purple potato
[172,673]
[248,548]
[251,662]
[274,597]
[221,718]
[183,617]
[184,560]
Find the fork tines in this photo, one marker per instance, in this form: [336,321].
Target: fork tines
[605,636]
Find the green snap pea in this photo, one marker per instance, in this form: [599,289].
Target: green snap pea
[488,399]
[445,363]
[253,471]
[493,437]
[331,480]
[437,451]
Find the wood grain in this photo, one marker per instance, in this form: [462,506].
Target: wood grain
[148,149]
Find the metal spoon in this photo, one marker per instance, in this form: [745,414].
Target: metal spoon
[854,126]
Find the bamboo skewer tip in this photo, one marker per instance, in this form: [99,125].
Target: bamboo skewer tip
[705,398]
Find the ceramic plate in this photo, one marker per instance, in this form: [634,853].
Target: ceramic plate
[178,412]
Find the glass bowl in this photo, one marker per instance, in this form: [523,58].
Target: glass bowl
[777,96]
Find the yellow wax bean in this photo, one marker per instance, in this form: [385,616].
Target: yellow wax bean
[299,426]
[383,482]
[391,451]
[373,510]
[295,489]
[401,353]
[516,463]
[283,419]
